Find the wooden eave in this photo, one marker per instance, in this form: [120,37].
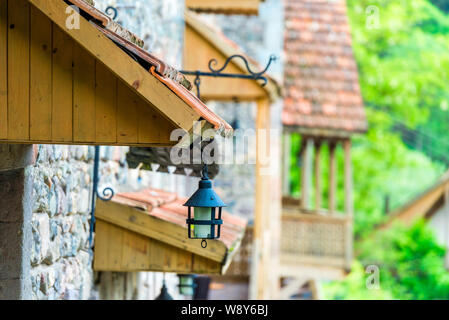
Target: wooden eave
[203,43]
[247,7]
[77,86]
[422,206]
[130,238]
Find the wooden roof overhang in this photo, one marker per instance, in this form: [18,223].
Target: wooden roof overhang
[248,7]
[424,205]
[87,85]
[202,43]
[147,231]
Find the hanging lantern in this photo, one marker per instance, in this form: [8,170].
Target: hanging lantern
[164,295]
[187,284]
[204,211]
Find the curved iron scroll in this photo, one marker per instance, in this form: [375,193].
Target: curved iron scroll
[111,12]
[253,75]
[220,74]
[106,195]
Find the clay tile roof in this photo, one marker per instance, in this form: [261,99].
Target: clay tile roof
[168,75]
[169,207]
[320,76]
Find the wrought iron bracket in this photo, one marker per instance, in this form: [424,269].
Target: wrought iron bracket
[105,195]
[219,72]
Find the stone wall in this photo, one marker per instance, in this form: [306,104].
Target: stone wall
[60,255]
[61,258]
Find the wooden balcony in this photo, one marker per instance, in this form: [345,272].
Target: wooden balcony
[315,244]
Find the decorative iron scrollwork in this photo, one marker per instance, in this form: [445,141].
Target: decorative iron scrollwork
[253,75]
[112,12]
[220,74]
[106,195]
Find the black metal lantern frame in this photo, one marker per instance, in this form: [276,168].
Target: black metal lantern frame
[214,221]
[205,197]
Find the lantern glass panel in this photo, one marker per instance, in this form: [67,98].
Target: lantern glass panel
[186,285]
[202,231]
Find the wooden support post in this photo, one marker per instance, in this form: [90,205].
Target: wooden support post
[286,148]
[332,177]
[317,168]
[306,169]
[315,288]
[349,206]
[259,266]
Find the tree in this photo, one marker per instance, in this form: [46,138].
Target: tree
[411,266]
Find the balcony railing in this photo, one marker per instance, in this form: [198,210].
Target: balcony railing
[315,244]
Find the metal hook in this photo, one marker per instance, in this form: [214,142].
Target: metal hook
[204,244]
[197,85]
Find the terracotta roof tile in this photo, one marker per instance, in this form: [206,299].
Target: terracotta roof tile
[168,75]
[321,78]
[169,207]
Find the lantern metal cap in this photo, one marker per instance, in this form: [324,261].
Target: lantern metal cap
[205,196]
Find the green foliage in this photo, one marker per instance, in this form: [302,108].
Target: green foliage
[442,4]
[411,266]
[403,66]
[383,166]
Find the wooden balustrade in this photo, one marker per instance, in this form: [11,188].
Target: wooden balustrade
[317,242]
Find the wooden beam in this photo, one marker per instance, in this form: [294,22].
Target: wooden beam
[142,223]
[286,148]
[315,288]
[249,7]
[260,272]
[320,271]
[317,168]
[3,69]
[119,249]
[306,171]
[122,65]
[349,207]
[332,177]
[292,288]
